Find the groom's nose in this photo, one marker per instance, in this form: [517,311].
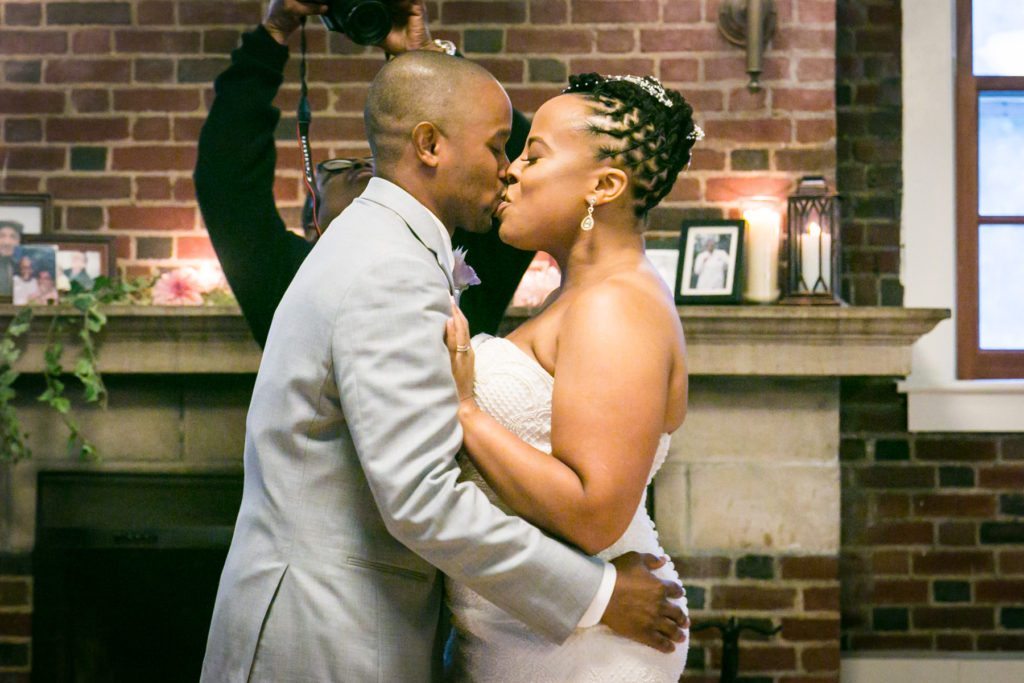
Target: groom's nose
[503,166]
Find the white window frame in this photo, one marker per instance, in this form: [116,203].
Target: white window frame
[936,400]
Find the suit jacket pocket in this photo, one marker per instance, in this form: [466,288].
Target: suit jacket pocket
[386,568]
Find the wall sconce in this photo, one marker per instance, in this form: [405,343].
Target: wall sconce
[750,24]
[812,237]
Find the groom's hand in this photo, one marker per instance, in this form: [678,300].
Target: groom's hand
[640,608]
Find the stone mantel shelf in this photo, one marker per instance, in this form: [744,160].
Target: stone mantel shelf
[721,340]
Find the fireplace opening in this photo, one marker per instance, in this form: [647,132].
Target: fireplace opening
[126,569]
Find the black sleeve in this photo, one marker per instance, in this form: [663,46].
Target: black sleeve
[499,266]
[234,180]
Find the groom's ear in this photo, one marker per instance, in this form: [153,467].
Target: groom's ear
[611,184]
[426,137]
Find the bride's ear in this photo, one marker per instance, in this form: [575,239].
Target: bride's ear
[611,184]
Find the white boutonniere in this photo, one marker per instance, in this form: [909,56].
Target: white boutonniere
[462,273]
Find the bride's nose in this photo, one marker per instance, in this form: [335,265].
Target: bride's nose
[514,169]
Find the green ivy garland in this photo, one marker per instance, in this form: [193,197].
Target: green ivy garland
[84,320]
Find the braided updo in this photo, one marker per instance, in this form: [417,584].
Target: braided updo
[652,130]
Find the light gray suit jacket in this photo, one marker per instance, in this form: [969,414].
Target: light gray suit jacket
[351,496]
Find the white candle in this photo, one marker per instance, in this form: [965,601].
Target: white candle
[762,246]
[816,259]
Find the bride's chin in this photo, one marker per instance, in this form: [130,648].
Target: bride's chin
[507,234]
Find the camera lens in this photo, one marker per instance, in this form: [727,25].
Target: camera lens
[367,22]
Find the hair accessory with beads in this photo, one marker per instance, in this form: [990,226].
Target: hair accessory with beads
[648,84]
[697,134]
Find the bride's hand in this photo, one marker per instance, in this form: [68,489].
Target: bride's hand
[456,336]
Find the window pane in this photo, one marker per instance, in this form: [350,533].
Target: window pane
[1001,287]
[1000,150]
[998,35]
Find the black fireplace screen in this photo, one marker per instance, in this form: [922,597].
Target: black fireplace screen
[125,573]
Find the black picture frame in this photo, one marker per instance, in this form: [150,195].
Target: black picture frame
[695,284]
[99,252]
[33,211]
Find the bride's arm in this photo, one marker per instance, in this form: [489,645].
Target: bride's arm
[614,362]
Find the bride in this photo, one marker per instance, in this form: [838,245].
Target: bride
[568,418]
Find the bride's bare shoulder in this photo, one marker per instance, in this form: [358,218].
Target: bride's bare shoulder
[636,296]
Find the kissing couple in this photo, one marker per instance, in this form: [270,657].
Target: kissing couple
[384,444]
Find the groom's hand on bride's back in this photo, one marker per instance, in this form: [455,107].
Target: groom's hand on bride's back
[640,608]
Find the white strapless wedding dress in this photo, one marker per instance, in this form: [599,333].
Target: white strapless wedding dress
[491,646]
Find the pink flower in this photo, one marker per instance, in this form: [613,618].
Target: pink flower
[540,279]
[180,287]
[463,273]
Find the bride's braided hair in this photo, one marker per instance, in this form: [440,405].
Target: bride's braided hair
[652,127]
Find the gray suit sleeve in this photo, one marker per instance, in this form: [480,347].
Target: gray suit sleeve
[399,398]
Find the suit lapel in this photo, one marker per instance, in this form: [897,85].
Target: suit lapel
[417,218]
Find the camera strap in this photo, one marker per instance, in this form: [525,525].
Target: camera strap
[303,117]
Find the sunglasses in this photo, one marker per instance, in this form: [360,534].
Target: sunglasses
[342,165]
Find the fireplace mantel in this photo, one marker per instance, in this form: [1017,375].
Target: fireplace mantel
[777,341]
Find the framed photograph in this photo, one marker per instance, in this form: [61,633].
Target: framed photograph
[79,258]
[663,253]
[35,277]
[20,215]
[711,262]
[31,213]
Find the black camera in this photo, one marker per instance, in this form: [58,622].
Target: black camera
[366,22]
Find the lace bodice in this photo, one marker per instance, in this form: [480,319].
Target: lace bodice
[491,646]
[515,389]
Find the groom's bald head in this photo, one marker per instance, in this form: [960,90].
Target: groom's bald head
[416,87]
[437,126]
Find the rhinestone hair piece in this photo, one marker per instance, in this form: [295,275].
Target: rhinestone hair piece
[697,134]
[648,84]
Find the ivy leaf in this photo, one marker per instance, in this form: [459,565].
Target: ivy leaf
[91,392]
[53,353]
[20,323]
[61,405]
[88,452]
[84,368]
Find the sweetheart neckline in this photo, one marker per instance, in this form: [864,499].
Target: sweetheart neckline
[533,361]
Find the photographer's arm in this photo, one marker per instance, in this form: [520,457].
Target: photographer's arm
[234,177]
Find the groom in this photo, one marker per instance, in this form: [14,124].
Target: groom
[351,496]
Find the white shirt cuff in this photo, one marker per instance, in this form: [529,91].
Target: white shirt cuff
[592,617]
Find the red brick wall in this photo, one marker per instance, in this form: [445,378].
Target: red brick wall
[933,543]
[932,531]
[798,593]
[868,107]
[15,618]
[101,102]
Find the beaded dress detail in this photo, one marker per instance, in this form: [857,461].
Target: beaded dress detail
[490,645]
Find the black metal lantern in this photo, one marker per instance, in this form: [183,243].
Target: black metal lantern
[812,236]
